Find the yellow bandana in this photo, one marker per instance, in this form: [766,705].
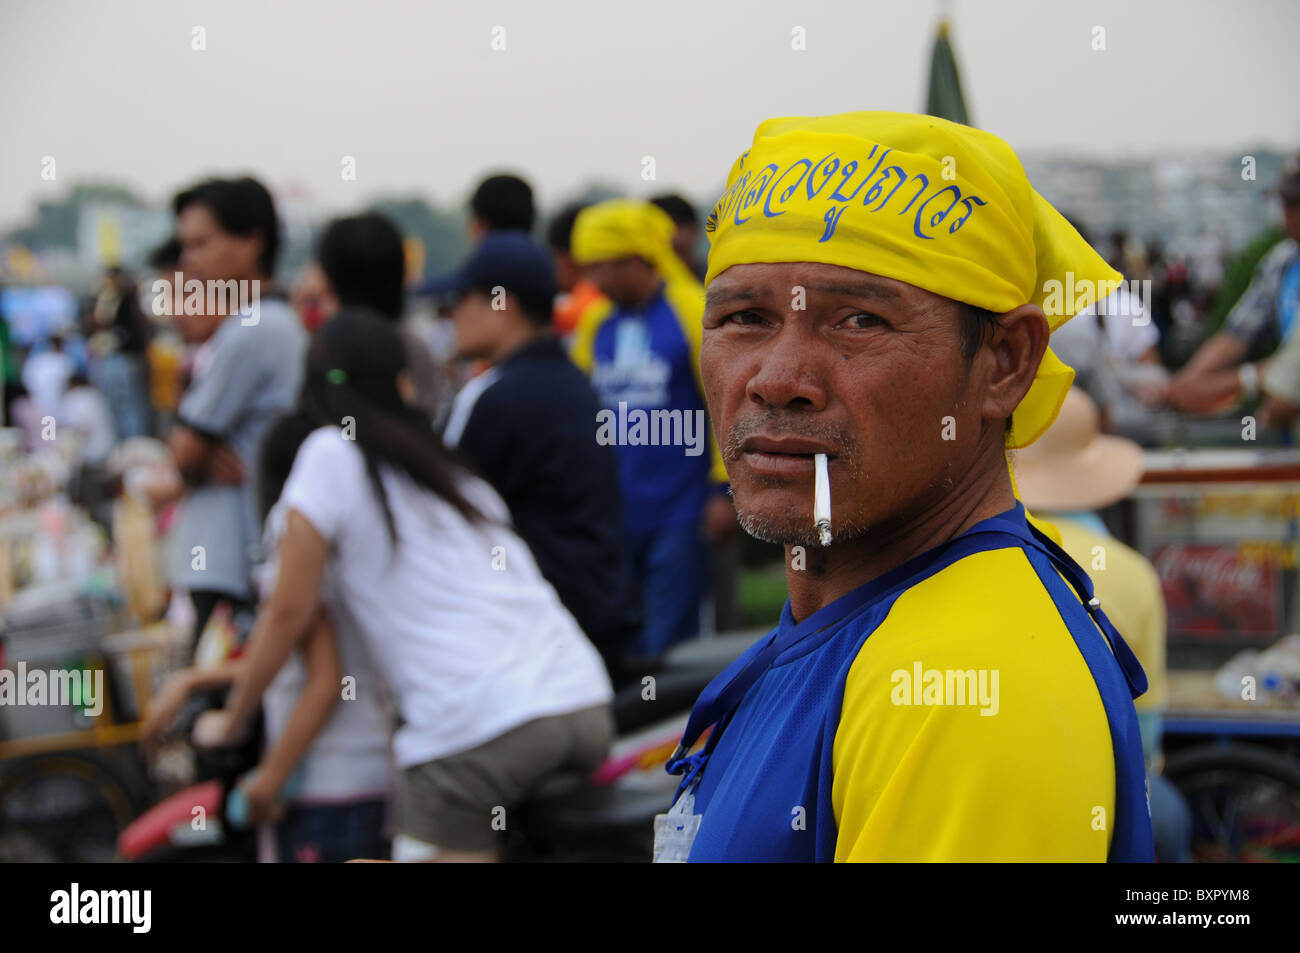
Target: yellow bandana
[621,227]
[938,205]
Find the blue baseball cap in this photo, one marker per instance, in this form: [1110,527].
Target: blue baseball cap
[508,259]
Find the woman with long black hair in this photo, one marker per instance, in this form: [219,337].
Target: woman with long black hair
[497,686]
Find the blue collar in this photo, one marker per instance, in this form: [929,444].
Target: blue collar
[886,582]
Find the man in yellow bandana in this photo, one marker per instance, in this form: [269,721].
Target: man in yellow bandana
[641,346]
[942,685]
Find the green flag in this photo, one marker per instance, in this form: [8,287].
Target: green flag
[944,98]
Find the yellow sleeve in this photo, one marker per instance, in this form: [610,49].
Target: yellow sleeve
[686,298]
[1023,772]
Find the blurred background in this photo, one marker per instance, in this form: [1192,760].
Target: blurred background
[1166,130]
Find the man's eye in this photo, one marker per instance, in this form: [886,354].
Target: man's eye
[742,318]
[861,320]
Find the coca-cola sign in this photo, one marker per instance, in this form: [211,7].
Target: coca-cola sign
[1215,590]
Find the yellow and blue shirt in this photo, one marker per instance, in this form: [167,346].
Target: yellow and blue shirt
[966,706]
[649,360]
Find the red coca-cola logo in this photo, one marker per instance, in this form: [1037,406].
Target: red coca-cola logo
[1216,566]
[1215,590]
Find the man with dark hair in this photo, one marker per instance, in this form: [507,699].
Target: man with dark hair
[242,211]
[247,373]
[577,292]
[687,223]
[528,423]
[500,203]
[361,262]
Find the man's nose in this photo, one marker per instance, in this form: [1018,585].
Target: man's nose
[790,372]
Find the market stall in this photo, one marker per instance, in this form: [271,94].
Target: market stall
[1222,529]
[82,647]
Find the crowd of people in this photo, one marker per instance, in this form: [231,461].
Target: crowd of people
[504,569]
[445,532]
[1150,354]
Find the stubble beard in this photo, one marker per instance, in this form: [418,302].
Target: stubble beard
[794,526]
[795,529]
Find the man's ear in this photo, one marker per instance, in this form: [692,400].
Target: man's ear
[1016,349]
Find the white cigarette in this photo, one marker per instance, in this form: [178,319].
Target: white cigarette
[822,499]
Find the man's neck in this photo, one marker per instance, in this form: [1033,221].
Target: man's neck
[514,342]
[838,570]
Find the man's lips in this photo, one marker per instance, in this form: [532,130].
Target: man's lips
[781,455]
[787,445]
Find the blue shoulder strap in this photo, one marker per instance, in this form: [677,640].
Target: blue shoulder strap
[1131,838]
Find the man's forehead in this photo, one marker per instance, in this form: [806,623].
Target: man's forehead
[195,217]
[757,281]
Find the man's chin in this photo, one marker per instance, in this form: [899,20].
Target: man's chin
[783,531]
[783,514]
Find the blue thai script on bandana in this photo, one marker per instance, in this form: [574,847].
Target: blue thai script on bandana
[767,192]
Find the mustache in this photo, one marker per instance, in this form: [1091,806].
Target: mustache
[775,422]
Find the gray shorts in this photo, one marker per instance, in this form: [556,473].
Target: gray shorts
[462,802]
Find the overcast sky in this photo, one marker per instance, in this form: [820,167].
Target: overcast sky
[584,89]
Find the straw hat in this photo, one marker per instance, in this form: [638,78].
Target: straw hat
[1075,467]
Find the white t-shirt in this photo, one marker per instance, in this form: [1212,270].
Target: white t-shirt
[349,760]
[468,635]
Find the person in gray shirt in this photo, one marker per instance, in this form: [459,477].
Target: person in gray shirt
[247,373]
[1267,311]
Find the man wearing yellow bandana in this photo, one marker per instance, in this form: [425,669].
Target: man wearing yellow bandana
[641,346]
[942,686]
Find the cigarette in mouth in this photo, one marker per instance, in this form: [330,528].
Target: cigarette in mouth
[822,500]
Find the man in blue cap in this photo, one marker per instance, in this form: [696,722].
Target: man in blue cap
[528,425]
